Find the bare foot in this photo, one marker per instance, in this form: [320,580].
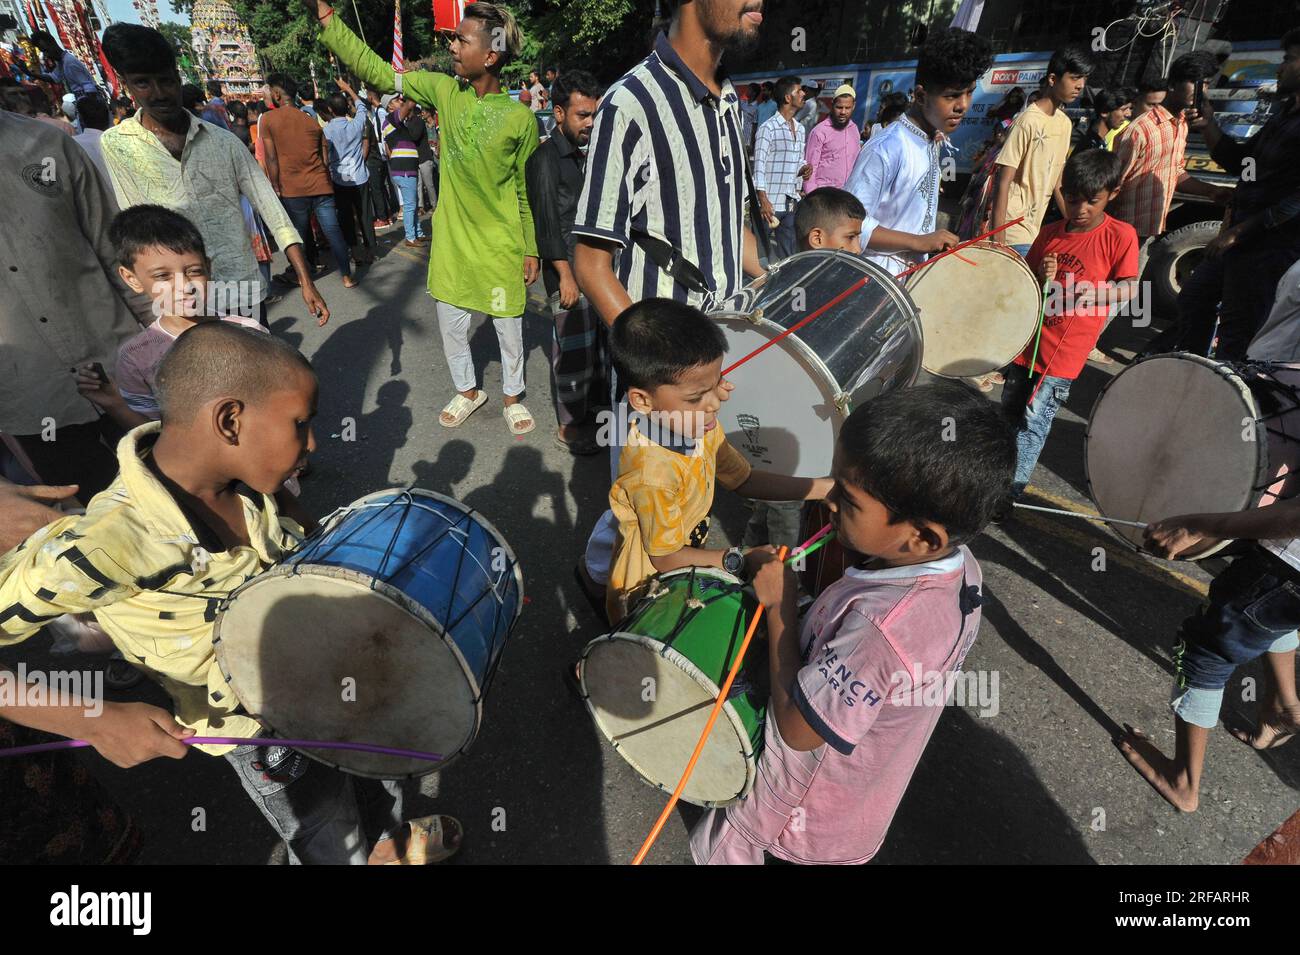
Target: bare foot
[1158,769]
[349,282]
[1277,724]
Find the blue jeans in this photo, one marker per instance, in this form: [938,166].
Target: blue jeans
[1254,609]
[1022,250]
[325,816]
[302,208]
[409,189]
[1034,420]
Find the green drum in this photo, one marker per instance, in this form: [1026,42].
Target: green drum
[651,685]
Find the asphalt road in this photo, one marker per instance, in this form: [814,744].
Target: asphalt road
[1076,651]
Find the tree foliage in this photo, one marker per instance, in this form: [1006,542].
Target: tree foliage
[178,35]
[605,37]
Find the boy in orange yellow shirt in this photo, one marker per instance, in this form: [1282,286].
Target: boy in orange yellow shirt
[670,357]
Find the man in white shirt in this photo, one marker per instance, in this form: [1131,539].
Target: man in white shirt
[779,167]
[897,174]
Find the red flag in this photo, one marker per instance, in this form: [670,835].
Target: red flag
[397,37]
[447,14]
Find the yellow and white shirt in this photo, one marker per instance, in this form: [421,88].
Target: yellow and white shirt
[135,561]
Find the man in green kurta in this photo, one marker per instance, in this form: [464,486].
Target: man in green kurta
[484,251]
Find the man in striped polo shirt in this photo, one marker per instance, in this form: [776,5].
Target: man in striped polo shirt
[662,212]
[403,131]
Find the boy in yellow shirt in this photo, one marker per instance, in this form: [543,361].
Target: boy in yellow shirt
[670,357]
[190,518]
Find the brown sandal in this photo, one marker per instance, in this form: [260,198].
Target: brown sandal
[428,841]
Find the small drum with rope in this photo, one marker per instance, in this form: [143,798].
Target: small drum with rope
[651,684]
[791,398]
[385,627]
[979,308]
[1181,434]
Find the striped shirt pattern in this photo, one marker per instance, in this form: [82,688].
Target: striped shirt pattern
[778,157]
[403,154]
[1153,149]
[667,159]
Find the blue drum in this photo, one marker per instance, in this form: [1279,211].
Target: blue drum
[384,628]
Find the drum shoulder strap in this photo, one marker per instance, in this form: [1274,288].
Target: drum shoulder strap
[684,272]
[756,223]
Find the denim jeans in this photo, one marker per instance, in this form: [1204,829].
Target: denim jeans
[408,187]
[1034,420]
[302,208]
[325,816]
[1254,609]
[1022,250]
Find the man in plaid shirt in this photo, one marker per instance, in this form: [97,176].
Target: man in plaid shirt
[1153,148]
[779,167]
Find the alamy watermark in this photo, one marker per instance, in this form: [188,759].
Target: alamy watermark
[23,687]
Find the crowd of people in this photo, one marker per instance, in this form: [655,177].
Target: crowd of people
[629,205]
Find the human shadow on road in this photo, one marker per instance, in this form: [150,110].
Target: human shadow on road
[531,791]
[975,799]
[1037,656]
[379,434]
[1129,604]
[455,458]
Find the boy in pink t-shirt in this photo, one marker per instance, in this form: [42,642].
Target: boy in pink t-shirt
[160,253]
[857,693]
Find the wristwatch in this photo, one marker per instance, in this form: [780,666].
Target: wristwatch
[733,562]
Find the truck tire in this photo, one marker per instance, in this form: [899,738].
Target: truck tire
[1172,259]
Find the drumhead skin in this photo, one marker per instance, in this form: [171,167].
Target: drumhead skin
[657,735]
[790,400]
[1174,434]
[979,308]
[320,655]
[384,628]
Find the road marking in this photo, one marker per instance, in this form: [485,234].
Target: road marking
[1126,555]
[407,253]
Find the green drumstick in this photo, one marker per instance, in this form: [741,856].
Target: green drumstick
[800,554]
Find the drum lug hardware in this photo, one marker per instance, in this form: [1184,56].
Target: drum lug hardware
[842,404]
[754,317]
[695,603]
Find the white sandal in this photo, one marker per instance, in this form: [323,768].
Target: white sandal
[461,408]
[515,414]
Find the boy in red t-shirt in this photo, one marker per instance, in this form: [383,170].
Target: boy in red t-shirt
[1087,263]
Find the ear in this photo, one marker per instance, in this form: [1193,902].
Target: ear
[127,276]
[816,238]
[228,420]
[928,538]
[642,401]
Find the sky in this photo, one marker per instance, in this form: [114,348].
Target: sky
[122,12]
